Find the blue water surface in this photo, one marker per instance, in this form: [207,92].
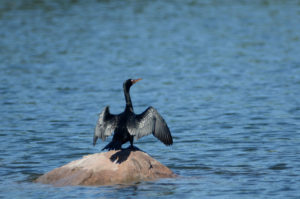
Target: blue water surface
[225,75]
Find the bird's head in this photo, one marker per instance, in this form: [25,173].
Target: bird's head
[128,83]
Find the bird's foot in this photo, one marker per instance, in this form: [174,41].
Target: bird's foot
[133,148]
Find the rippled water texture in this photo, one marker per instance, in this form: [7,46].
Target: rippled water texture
[225,75]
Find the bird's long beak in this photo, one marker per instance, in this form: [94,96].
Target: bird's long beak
[135,80]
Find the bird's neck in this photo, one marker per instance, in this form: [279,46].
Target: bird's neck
[128,99]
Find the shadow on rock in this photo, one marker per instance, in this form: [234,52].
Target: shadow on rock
[122,155]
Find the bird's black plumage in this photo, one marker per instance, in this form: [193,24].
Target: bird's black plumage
[128,125]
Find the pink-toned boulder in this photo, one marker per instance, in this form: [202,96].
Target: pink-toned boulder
[107,168]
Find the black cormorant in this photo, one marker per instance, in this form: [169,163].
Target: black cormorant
[128,125]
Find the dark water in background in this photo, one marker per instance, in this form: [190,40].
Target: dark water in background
[224,75]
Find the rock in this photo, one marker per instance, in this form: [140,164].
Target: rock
[108,168]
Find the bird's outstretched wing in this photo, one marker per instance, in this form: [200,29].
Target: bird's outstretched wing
[150,121]
[105,126]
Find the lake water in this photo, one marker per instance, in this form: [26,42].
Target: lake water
[225,75]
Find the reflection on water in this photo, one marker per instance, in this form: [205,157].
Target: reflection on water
[224,75]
